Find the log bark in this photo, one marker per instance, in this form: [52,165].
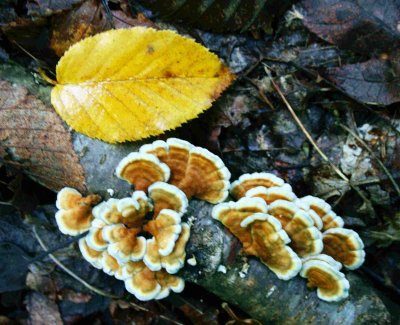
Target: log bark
[258,292]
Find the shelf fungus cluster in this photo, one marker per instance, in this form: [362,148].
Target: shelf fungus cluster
[141,239]
[292,235]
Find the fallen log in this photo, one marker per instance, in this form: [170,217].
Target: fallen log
[89,165]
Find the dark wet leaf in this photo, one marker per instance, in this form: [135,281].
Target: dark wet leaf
[88,19]
[375,81]
[363,26]
[13,267]
[219,15]
[49,7]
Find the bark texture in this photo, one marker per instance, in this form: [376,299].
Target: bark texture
[259,292]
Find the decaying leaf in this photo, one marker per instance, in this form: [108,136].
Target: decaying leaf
[129,84]
[220,15]
[34,139]
[12,273]
[42,310]
[86,20]
[49,7]
[375,81]
[362,26]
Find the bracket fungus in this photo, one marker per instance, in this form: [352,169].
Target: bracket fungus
[196,171]
[141,239]
[260,234]
[306,239]
[269,241]
[272,194]
[269,220]
[142,170]
[324,274]
[75,211]
[248,181]
[231,214]
[345,246]
[324,211]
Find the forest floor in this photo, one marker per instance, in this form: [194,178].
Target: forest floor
[333,64]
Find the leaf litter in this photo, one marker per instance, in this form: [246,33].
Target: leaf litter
[246,127]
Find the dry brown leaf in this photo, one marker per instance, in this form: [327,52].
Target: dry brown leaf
[34,139]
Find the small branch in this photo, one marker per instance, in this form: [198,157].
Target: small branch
[71,273]
[320,152]
[56,248]
[302,127]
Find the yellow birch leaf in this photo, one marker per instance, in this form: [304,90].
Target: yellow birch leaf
[129,84]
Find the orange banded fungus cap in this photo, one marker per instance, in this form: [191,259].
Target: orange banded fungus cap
[231,214]
[175,153]
[110,264]
[249,181]
[345,246]
[142,170]
[269,242]
[324,211]
[165,229]
[173,262]
[142,283]
[75,211]
[272,194]
[306,239]
[331,284]
[124,244]
[167,196]
[94,257]
[206,177]
[94,238]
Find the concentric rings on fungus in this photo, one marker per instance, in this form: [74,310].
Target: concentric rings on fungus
[323,210]
[75,211]
[196,171]
[142,170]
[231,214]
[269,241]
[272,194]
[167,196]
[248,181]
[331,284]
[345,246]
[306,239]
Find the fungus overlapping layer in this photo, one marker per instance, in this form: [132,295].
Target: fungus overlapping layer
[196,171]
[141,239]
[276,226]
[324,274]
[75,211]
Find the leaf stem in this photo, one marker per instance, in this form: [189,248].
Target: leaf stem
[45,77]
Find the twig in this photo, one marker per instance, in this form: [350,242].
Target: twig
[71,273]
[387,172]
[316,75]
[306,133]
[87,285]
[56,248]
[149,311]
[309,137]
